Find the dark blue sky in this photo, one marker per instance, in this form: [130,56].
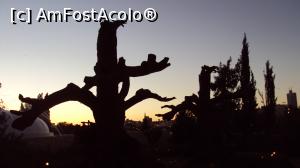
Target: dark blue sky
[45,57]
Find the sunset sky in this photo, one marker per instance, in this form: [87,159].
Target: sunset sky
[45,57]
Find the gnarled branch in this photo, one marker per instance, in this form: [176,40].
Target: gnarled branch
[147,67]
[143,94]
[70,93]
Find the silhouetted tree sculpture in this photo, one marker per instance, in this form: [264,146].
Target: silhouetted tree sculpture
[230,85]
[248,87]
[109,104]
[225,89]
[213,115]
[199,104]
[203,108]
[270,94]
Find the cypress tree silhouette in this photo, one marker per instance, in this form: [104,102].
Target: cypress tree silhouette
[248,87]
[270,94]
[108,105]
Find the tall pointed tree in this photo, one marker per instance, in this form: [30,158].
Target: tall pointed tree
[247,86]
[270,93]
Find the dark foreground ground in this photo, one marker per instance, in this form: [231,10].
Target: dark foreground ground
[67,151]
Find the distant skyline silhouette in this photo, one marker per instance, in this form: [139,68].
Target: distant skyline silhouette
[45,57]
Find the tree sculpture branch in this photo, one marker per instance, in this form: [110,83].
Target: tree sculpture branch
[143,94]
[147,67]
[70,93]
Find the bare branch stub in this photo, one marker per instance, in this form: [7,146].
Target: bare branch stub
[147,67]
[90,81]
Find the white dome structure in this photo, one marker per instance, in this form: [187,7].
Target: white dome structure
[38,129]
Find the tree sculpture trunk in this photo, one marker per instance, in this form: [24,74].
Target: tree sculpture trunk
[109,104]
[109,112]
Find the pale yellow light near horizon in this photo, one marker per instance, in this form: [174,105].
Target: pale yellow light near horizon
[71,112]
[74,112]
